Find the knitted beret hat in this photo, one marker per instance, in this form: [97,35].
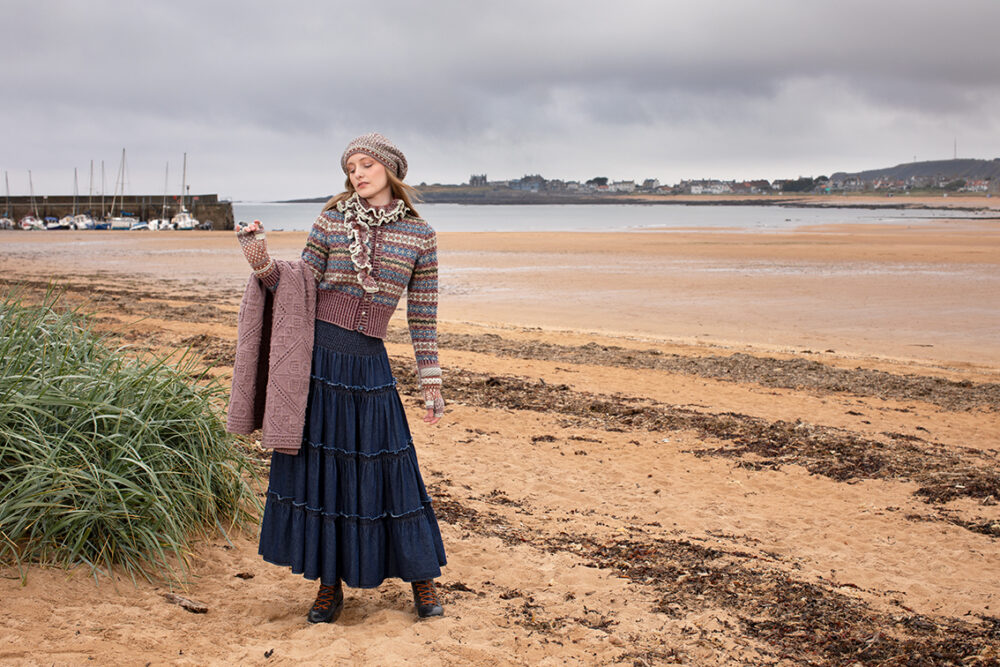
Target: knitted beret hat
[375,145]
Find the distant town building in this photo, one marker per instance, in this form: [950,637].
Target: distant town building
[976,186]
[528,183]
[848,184]
[478,180]
[623,186]
[709,187]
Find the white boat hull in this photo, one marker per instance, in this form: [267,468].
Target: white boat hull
[184,220]
[82,221]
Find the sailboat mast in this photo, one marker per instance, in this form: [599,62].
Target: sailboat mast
[104,212]
[166,181]
[122,175]
[90,195]
[76,191]
[31,185]
[6,180]
[119,178]
[184,183]
[114,195]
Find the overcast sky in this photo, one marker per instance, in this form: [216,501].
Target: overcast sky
[263,96]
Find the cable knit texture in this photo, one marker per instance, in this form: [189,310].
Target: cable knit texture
[274,350]
[363,259]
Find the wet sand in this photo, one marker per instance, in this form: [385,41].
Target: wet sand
[698,448]
[926,292]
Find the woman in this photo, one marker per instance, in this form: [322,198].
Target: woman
[350,506]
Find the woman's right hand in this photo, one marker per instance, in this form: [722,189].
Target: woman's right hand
[252,227]
[251,238]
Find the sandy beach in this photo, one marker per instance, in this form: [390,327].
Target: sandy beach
[704,448]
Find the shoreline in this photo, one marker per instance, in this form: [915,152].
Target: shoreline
[926,293]
[869,201]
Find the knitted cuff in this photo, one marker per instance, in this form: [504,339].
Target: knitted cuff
[429,375]
[269,274]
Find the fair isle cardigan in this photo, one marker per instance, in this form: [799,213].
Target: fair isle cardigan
[399,254]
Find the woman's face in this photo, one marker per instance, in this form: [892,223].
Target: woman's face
[368,177]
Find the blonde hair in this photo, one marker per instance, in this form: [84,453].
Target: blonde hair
[399,189]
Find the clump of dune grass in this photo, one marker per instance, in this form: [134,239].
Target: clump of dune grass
[105,459]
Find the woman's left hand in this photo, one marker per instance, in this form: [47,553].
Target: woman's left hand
[430,418]
[434,404]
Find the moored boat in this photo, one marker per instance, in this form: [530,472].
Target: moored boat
[31,222]
[184,220]
[82,221]
[163,222]
[79,220]
[119,222]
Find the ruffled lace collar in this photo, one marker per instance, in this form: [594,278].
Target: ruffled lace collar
[373,216]
[360,216]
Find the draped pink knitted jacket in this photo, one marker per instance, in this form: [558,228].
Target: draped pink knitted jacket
[274,348]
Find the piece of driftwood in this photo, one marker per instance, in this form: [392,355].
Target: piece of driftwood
[190,605]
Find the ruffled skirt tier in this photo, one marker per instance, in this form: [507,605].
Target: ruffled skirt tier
[352,503]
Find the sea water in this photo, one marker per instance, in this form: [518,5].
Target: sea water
[609,217]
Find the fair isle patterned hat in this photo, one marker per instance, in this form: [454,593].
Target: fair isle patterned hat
[380,148]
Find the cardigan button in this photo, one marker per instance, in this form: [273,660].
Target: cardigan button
[361,327]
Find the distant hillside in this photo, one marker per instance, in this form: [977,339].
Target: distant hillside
[974,170]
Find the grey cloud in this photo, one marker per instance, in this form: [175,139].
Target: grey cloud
[507,87]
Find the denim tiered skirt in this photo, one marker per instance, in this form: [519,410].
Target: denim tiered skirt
[351,505]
